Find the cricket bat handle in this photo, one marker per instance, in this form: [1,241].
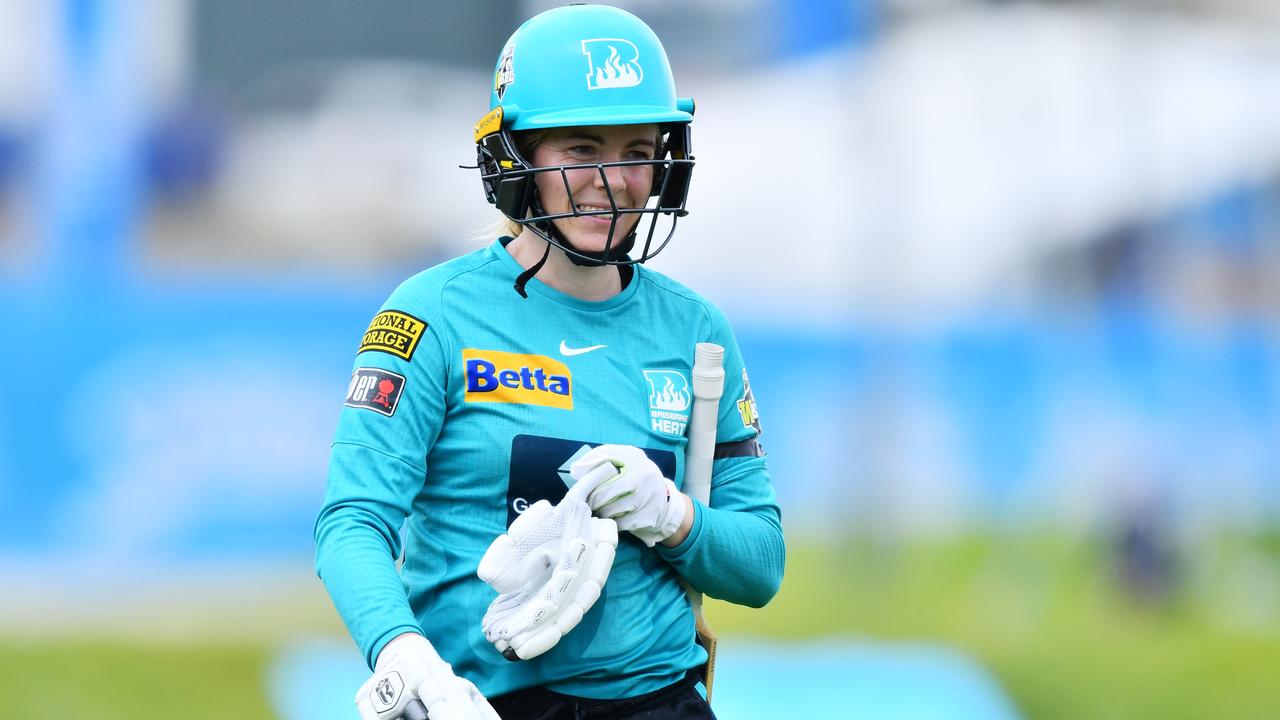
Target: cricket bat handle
[708,387]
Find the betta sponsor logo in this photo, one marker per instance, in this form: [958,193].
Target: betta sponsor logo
[503,377]
[375,389]
[669,401]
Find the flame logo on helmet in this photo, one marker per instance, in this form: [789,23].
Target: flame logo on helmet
[614,63]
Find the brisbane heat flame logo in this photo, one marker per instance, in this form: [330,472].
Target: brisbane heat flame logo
[612,63]
[669,401]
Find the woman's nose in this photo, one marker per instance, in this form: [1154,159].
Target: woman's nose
[614,177]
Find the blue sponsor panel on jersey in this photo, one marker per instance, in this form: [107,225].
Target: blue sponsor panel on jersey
[540,469]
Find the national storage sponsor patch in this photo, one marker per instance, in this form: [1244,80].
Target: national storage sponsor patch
[393,332]
[375,389]
[503,377]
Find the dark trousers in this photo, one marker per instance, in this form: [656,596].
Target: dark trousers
[678,701]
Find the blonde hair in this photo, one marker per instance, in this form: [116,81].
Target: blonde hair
[502,226]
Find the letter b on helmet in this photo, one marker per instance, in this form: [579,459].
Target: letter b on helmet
[614,63]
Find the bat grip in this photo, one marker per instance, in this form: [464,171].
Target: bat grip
[708,387]
[708,371]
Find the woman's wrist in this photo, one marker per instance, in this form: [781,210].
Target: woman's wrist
[686,524]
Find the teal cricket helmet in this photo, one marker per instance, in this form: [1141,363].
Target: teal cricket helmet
[576,66]
[585,65]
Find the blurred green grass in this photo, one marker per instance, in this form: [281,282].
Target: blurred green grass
[1046,616]
[1043,613]
[121,678]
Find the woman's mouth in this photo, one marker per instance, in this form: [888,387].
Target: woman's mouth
[604,220]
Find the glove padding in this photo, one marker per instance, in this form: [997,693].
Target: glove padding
[409,669]
[549,567]
[638,498]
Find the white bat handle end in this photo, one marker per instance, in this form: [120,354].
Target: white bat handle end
[708,387]
[708,371]
[708,353]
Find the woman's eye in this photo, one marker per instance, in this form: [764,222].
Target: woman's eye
[639,155]
[582,151]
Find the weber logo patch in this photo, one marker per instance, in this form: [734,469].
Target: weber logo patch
[393,332]
[375,389]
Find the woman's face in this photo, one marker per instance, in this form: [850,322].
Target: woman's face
[590,145]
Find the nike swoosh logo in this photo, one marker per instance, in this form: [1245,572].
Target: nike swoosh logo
[570,352]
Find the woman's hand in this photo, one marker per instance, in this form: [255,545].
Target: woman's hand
[549,567]
[410,669]
[638,498]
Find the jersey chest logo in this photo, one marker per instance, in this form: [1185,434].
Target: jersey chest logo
[502,377]
[669,401]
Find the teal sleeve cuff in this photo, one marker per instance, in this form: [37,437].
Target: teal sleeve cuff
[690,540]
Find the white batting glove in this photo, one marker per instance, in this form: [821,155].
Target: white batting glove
[410,669]
[638,498]
[549,567]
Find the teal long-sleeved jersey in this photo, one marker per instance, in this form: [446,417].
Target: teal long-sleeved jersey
[468,403]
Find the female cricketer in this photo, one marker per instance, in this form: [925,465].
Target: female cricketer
[515,427]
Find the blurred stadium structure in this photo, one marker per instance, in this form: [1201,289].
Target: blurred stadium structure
[995,266]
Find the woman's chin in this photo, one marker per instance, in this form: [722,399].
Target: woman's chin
[594,241]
